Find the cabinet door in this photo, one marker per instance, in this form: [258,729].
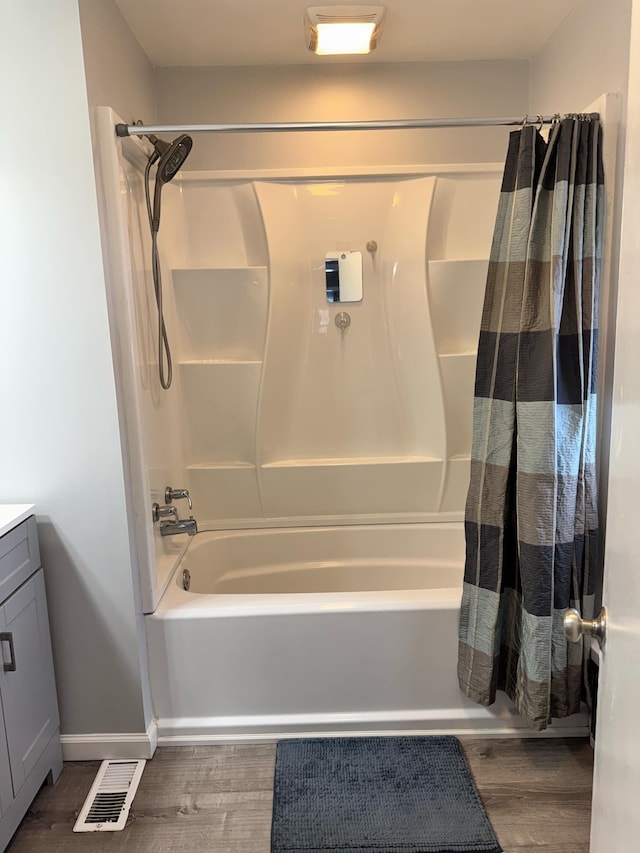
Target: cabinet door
[6,790]
[28,692]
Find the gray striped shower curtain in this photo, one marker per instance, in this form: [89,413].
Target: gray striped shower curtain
[531,522]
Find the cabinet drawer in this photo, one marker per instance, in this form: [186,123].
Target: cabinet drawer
[19,556]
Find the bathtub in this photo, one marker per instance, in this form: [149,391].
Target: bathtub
[312,631]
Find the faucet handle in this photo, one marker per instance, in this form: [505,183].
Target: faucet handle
[175,494]
[158,512]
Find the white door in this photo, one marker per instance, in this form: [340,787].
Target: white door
[615,825]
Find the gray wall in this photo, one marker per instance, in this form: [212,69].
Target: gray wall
[343,92]
[119,75]
[587,56]
[59,438]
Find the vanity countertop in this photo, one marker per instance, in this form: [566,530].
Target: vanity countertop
[13,514]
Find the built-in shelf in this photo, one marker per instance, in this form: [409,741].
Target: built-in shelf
[316,463]
[457,483]
[219,362]
[347,461]
[456,296]
[222,314]
[220,397]
[458,380]
[224,490]
[467,354]
[188,271]
[216,466]
[458,260]
[354,485]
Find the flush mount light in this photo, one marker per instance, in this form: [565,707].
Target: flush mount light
[335,30]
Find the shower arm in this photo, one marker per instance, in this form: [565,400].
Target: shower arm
[287,127]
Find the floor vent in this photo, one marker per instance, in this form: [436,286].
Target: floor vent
[107,806]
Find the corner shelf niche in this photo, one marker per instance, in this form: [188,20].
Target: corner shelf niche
[225,490]
[352,486]
[213,303]
[220,372]
[456,294]
[220,399]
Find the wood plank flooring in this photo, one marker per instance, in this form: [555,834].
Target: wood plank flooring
[537,793]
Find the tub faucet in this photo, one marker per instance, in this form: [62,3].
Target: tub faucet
[170,524]
[179,525]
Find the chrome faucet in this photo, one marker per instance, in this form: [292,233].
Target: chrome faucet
[180,525]
[170,524]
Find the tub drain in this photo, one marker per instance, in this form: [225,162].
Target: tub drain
[186,579]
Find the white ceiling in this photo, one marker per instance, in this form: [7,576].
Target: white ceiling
[270,32]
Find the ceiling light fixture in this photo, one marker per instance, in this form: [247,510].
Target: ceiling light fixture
[333,30]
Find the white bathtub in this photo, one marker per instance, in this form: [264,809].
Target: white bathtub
[313,631]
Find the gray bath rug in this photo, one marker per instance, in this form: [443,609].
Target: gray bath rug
[377,795]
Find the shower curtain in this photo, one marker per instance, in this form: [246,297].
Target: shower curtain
[531,522]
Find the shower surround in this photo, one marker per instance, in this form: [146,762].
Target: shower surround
[330,469]
[286,418]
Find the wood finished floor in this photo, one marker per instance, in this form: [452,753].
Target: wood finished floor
[537,793]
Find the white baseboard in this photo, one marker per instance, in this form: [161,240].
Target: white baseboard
[201,731]
[97,747]
[217,739]
[210,731]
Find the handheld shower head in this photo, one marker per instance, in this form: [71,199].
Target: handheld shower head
[169,157]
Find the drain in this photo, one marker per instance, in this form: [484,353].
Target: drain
[186,579]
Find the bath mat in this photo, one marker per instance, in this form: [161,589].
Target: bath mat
[377,795]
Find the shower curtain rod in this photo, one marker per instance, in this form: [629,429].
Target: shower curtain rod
[393,124]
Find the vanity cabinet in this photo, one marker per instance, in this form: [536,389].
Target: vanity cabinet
[29,722]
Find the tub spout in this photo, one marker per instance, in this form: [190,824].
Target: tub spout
[180,525]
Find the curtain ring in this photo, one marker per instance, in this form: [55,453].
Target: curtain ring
[540,123]
[525,121]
